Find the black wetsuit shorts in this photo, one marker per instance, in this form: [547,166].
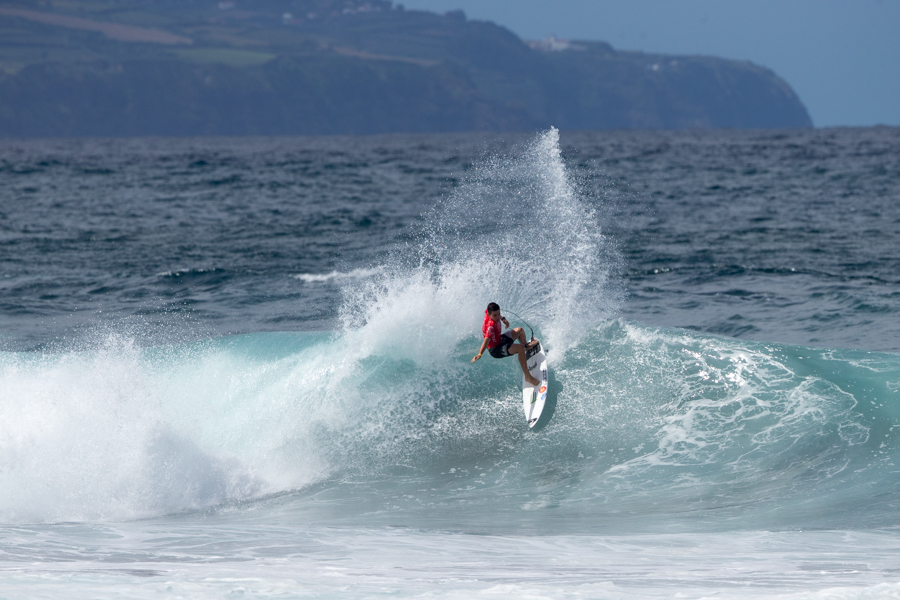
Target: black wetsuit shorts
[501,350]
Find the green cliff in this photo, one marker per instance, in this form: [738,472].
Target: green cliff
[183,67]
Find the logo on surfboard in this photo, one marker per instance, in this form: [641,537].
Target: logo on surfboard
[543,389]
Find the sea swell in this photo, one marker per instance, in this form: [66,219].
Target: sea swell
[384,420]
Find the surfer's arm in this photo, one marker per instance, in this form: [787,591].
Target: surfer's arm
[484,343]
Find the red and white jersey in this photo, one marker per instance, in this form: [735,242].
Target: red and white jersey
[491,329]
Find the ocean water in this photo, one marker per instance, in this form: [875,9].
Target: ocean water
[240,367]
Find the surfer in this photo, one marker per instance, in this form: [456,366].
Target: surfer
[502,345]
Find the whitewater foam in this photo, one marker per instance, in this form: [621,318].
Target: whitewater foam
[517,232]
[336,275]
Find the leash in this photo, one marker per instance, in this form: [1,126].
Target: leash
[523,320]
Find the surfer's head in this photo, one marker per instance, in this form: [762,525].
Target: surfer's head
[493,311]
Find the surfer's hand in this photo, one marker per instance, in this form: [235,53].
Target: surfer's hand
[477,356]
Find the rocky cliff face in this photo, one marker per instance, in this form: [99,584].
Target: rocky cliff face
[137,67]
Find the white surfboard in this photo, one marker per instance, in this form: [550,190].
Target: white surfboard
[533,397]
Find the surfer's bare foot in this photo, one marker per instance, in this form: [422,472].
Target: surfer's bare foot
[534,342]
[532,380]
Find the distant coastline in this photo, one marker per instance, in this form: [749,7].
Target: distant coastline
[135,68]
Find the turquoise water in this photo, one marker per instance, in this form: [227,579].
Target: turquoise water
[646,430]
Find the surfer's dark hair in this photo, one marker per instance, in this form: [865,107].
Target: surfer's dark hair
[493,306]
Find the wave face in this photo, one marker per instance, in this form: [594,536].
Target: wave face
[386,421]
[645,427]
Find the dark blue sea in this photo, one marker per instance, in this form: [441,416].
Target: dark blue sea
[240,367]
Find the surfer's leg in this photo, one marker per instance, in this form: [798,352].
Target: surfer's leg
[520,352]
[518,334]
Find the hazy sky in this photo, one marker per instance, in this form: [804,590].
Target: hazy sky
[842,57]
